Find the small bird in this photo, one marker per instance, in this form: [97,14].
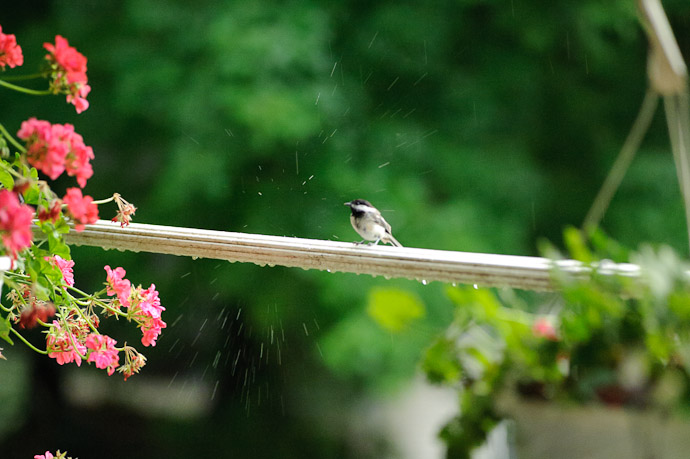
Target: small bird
[368,222]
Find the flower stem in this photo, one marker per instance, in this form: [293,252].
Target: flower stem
[104,201]
[12,140]
[31,346]
[23,77]
[86,319]
[33,92]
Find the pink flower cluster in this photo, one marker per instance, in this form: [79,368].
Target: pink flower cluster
[143,305]
[75,338]
[81,209]
[15,223]
[54,148]
[116,284]
[68,72]
[49,455]
[66,345]
[103,352]
[76,342]
[10,52]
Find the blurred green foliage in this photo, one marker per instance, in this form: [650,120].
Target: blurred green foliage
[473,125]
[394,310]
[607,338]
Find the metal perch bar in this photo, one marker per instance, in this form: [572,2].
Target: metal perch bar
[485,270]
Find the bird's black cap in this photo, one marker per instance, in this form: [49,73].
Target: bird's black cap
[359,202]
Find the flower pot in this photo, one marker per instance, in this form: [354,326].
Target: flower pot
[544,429]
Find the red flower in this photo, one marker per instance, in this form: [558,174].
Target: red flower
[39,310]
[68,72]
[10,51]
[51,214]
[15,223]
[80,208]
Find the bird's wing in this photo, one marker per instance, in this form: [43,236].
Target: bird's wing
[382,221]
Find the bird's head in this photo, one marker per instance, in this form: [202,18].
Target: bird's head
[359,205]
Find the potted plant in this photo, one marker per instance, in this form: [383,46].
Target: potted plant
[598,369]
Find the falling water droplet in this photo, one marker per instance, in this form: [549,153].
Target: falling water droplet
[476,287]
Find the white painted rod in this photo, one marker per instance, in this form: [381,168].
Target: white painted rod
[485,270]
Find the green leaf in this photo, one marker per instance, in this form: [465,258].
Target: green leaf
[576,244]
[6,179]
[42,289]
[394,310]
[57,246]
[5,330]
[32,194]
[441,363]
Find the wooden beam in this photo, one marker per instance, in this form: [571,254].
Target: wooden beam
[424,265]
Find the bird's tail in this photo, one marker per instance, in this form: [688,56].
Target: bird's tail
[393,241]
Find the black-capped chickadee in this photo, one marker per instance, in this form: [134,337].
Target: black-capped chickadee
[368,222]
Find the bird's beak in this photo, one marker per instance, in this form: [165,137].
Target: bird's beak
[348,203]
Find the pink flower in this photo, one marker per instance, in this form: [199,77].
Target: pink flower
[60,345]
[78,98]
[44,149]
[118,285]
[10,51]
[103,352]
[65,268]
[543,328]
[52,148]
[77,160]
[68,72]
[150,303]
[151,329]
[15,223]
[80,208]
[146,309]
[47,455]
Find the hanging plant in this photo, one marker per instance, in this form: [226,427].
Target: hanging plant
[34,219]
[607,338]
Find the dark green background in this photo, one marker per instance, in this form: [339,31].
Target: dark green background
[474,125]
